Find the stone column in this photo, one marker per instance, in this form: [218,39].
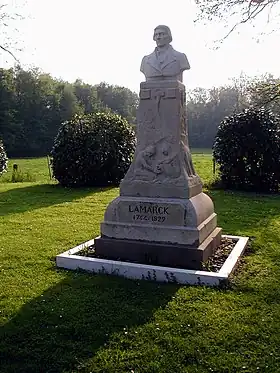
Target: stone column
[162,166]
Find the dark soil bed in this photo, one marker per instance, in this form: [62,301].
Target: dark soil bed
[213,264]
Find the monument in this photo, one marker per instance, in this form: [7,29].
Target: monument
[161,217]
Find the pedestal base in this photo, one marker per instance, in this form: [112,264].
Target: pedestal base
[167,220]
[163,254]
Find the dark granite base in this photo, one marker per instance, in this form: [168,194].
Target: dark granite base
[163,254]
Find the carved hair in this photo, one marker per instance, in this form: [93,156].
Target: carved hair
[166,29]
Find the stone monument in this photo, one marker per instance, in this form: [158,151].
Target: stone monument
[161,216]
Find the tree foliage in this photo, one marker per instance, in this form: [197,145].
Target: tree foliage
[266,92]
[243,11]
[7,18]
[93,150]
[3,158]
[206,108]
[33,105]
[247,149]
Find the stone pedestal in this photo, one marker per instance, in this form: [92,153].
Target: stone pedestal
[161,215]
[162,166]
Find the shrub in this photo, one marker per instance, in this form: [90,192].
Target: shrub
[3,158]
[93,150]
[247,149]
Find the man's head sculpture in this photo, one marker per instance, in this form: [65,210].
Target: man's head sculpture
[162,35]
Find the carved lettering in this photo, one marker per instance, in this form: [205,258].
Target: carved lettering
[154,210]
[143,209]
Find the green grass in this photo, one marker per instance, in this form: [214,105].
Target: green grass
[206,151]
[37,168]
[61,321]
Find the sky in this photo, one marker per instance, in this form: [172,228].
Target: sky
[105,40]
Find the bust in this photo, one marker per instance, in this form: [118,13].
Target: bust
[164,63]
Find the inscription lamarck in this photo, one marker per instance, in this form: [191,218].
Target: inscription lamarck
[159,210]
[154,213]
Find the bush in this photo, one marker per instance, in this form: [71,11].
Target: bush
[3,158]
[93,150]
[247,149]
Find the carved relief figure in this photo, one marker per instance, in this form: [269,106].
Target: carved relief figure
[168,165]
[157,162]
[165,62]
[143,163]
[188,161]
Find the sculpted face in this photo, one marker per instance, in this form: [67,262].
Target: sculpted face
[161,37]
[150,150]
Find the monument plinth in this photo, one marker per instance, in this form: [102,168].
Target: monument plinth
[161,216]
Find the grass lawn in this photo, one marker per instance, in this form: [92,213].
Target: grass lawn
[205,151]
[60,321]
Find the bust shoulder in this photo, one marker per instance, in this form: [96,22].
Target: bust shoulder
[182,58]
[178,55]
[143,63]
[151,55]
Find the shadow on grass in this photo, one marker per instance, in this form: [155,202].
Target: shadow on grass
[21,199]
[67,324]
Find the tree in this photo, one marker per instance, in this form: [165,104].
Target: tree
[36,113]
[243,10]
[9,130]
[120,100]
[87,98]
[207,107]
[265,91]
[33,95]
[6,19]
[69,105]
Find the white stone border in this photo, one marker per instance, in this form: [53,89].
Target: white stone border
[135,271]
